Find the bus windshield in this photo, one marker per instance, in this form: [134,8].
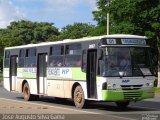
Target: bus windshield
[133,61]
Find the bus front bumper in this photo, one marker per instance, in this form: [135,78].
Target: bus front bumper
[127,95]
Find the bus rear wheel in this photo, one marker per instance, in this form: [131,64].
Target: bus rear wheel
[27,95]
[123,104]
[79,100]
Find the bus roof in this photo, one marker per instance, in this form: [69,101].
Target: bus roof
[79,40]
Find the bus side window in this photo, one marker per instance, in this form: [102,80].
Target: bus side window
[56,56]
[21,59]
[6,60]
[30,57]
[73,55]
[84,60]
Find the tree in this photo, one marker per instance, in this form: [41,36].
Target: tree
[139,17]
[25,32]
[77,30]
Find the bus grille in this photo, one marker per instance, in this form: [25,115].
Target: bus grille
[131,87]
[134,95]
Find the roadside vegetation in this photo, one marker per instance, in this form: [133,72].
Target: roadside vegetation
[1,77]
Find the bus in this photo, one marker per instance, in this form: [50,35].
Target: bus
[111,68]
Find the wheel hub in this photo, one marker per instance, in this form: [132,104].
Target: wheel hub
[78,96]
[25,92]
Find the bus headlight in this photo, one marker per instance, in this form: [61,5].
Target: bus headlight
[114,85]
[109,85]
[106,86]
[149,84]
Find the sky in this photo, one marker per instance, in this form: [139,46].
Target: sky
[59,12]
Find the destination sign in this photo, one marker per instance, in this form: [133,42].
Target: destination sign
[133,41]
[123,41]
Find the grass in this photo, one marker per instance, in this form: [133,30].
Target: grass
[1,76]
[157,90]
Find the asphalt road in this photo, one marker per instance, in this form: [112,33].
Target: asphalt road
[14,103]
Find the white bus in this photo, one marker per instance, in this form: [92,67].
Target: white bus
[114,68]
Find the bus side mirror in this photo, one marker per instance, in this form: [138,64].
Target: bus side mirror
[100,54]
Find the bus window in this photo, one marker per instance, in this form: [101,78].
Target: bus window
[56,56]
[73,55]
[117,60]
[32,52]
[141,62]
[6,61]
[84,60]
[55,61]
[57,50]
[73,49]
[7,54]
[73,61]
[30,59]
[21,57]
[129,61]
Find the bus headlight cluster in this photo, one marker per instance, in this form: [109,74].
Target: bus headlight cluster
[114,85]
[149,84]
[106,86]
[109,85]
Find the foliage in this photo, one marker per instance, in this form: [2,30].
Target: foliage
[25,32]
[77,30]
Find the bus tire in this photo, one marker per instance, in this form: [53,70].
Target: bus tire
[35,97]
[26,92]
[123,104]
[79,100]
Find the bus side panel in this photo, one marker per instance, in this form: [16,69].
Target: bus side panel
[6,83]
[19,85]
[67,89]
[6,79]
[33,86]
[84,87]
[19,79]
[55,88]
[99,88]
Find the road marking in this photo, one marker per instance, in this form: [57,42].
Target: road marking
[83,111]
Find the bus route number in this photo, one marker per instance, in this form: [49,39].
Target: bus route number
[111,41]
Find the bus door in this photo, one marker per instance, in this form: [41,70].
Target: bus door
[13,73]
[91,73]
[41,73]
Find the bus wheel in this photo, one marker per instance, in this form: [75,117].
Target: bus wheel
[79,100]
[26,92]
[122,104]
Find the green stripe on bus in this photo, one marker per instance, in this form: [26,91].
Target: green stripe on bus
[6,69]
[20,70]
[120,95]
[98,79]
[77,74]
[26,75]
